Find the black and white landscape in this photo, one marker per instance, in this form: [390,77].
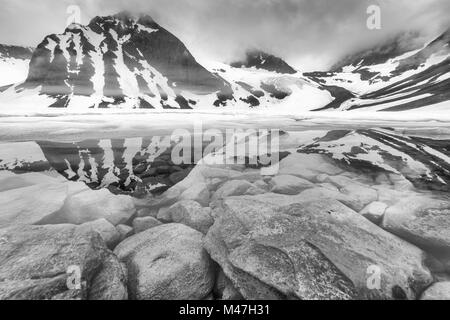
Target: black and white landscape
[354,202]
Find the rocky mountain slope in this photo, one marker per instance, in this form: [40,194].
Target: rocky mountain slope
[14,61]
[131,62]
[261,60]
[401,75]
[123,61]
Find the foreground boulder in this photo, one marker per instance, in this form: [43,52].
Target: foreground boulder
[36,262]
[311,249]
[167,263]
[421,220]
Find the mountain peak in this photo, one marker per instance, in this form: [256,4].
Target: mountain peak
[262,60]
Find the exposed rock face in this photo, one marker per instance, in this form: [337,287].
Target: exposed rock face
[119,57]
[35,260]
[262,60]
[167,263]
[404,69]
[272,241]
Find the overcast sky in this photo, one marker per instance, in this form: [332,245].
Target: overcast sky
[309,34]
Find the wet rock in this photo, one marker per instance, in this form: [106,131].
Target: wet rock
[143,224]
[35,260]
[422,220]
[290,185]
[286,241]
[291,269]
[167,263]
[438,291]
[111,281]
[105,229]
[191,214]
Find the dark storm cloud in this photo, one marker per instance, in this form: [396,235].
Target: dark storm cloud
[310,34]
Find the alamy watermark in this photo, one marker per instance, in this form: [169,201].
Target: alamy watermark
[374,17]
[252,147]
[74,15]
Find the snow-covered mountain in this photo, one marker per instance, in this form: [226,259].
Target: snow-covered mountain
[14,61]
[402,74]
[261,60]
[126,62]
[129,62]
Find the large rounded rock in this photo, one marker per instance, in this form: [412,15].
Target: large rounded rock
[422,220]
[36,262]
[311,249]
[167,263]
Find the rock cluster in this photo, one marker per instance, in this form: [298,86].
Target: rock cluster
[311,231]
